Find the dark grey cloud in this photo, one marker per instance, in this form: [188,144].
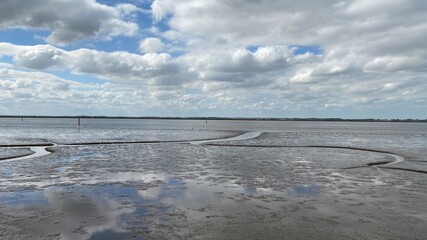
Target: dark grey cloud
[69,21]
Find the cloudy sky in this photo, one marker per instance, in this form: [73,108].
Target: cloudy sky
[247,58]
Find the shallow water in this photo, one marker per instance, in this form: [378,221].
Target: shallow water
[169,190]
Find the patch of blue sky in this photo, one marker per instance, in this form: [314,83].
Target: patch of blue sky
[31,37]
[23,36]
[120,43]
[163,25]
[6,59]
[252,48]
[177,53]
[146,4]
[302,49]
[299,49]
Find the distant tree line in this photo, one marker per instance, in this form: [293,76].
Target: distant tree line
[226,118]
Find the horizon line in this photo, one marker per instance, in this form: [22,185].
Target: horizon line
[224,118]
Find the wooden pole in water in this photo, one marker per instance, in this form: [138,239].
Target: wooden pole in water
[78,121]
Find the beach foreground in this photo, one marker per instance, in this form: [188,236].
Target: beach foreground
[136,179]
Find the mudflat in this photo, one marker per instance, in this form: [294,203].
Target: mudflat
[276,181]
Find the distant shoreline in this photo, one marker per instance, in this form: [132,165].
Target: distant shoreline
[224,118]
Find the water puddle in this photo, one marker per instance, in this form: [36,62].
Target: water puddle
[111,210]
[109,234]
[75,211]
[24,198]
[311,190]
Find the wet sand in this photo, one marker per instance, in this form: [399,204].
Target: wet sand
[249,188]
[11,153]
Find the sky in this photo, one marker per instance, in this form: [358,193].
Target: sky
[240,58]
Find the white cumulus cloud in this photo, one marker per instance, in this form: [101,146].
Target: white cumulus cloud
[218,55]
[149,45]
